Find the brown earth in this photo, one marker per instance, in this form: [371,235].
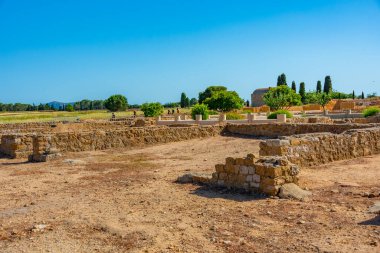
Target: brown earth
[127,201]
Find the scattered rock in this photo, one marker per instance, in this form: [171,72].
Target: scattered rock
[185,179]
[73,162]
[348,184]
[375,208]
[293,191]
[194,178]
[39,227]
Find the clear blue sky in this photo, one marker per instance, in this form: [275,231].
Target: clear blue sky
[68,50]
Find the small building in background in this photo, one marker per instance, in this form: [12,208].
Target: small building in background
[257,97]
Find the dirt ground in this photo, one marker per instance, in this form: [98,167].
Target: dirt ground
[127,201]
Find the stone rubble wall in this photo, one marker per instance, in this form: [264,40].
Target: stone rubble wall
[276,130]
[16,145]
[21,145]
[320,148]
[100,140]
[311,120]
[249,174]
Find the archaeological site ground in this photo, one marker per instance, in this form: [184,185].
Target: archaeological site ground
[141,185]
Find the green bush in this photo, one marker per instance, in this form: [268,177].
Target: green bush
[116,103]
[234,116]
[371,111]
[273,115]
[212,112]
[200,109]
[152,109]
[69,108]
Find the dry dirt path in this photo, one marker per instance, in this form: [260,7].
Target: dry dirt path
[127,201]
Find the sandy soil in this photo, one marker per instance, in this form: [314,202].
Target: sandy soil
[127,201]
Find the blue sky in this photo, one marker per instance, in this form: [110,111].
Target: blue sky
[69,50]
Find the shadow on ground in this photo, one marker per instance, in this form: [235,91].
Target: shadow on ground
[215,193]
[372,222]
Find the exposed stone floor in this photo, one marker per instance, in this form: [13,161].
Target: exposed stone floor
[125,200]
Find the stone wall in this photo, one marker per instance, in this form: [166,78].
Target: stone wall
[16,145]
[100,140]
[21,145]
[275,130]
[264,175]
[321,148]
[311,120]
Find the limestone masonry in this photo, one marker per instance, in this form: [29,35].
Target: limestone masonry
[320,148]
[265,175]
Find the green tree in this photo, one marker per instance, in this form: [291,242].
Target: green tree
[353,94]
[323,99]
[281,97]
[224,101]
[362,95]
[116,103]
[69,108]
[200,109]
[303,92]
[327,87]
[281,80]
[294,86]
[193,101]
[319,87]
[209,91]
[185,101]
[152,109]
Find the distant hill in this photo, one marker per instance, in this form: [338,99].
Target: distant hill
[57,105]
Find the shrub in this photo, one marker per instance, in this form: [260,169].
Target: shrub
[234,116]
[200,109]
[69,108]
[116,103]
[371,111]
[281,97]
[212,112]
[273,115]
[152,109]
[224,101]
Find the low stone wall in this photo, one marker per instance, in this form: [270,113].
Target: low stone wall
[264,175]
[321,148]
[21,145]
[16,145]
[277,130]
[100,140]
[312,120]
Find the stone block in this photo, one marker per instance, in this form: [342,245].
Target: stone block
[222,175]
[249,178]
[254,185]
[260,169]
[274,171]
[256,178]
[239,161]
[230,161]
[243,170]
[251,170]
[229,168]
[220,167]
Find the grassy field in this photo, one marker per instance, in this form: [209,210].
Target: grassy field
[18,117]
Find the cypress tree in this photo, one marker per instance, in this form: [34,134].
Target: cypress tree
[353,94]
[184,100]
[294,86]
[281,80]
[327,88]
[319,87]
[303,92]
[362,94]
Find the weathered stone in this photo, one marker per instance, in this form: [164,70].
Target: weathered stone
[293,191]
